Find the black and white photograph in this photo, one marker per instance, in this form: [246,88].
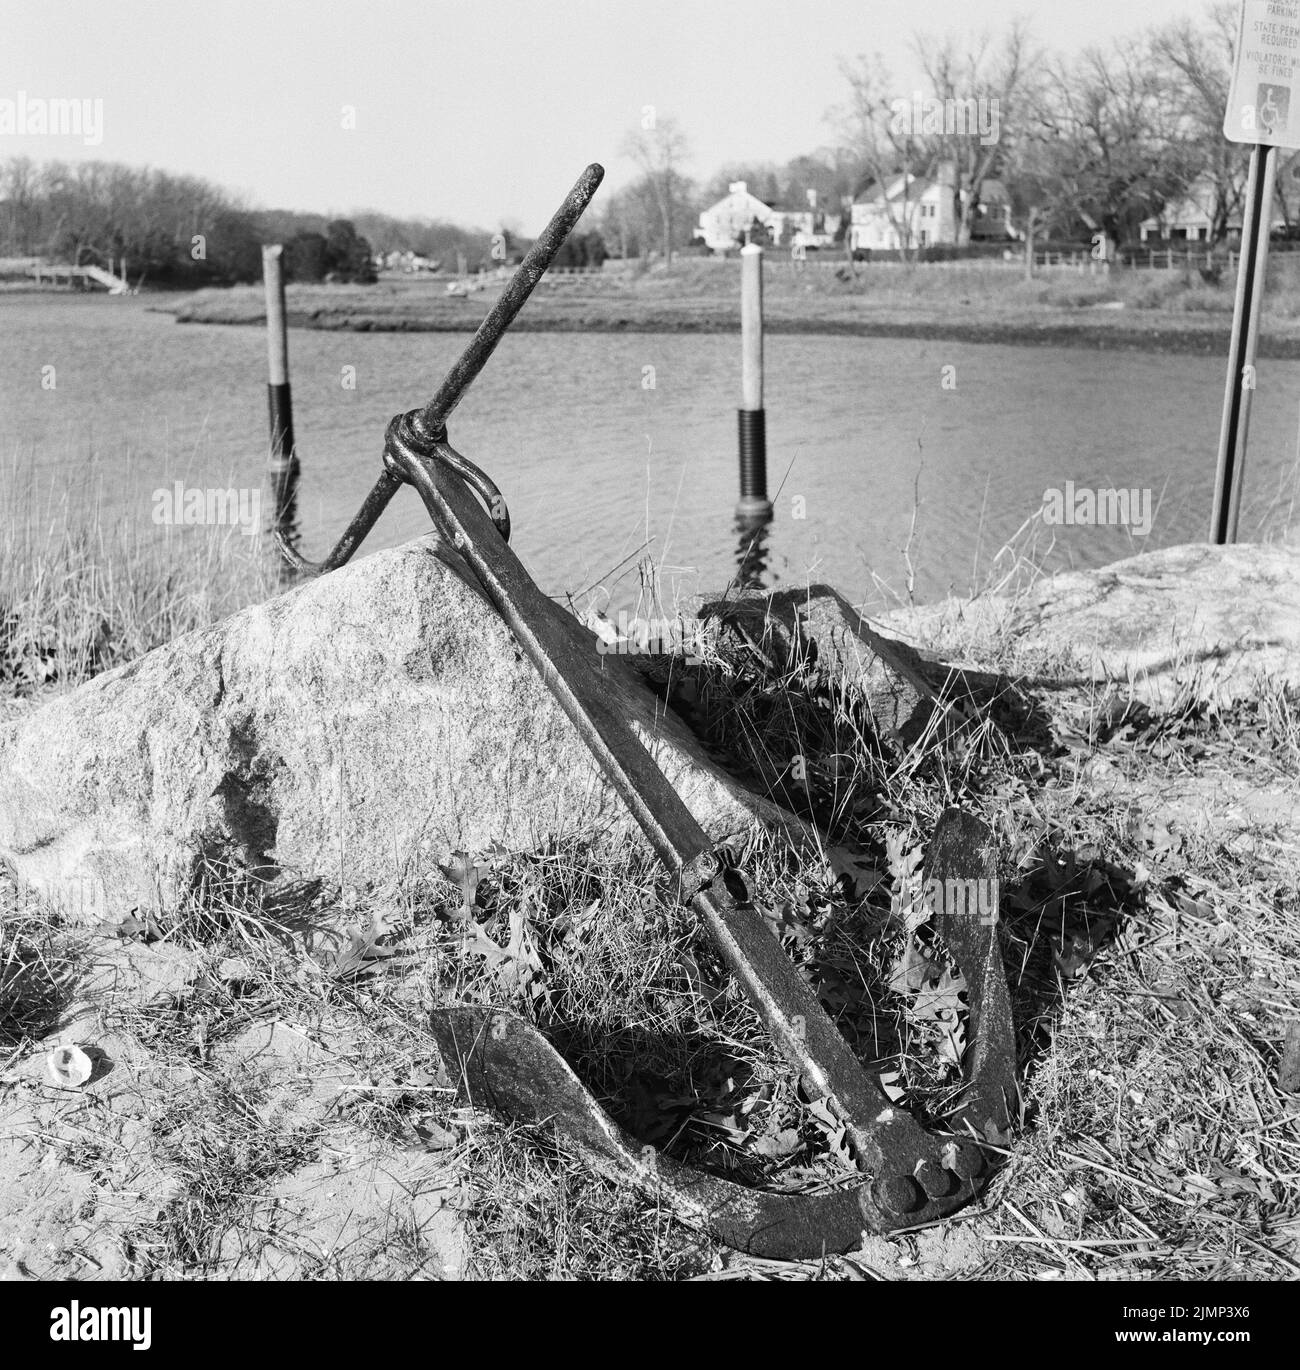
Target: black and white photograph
[649,641]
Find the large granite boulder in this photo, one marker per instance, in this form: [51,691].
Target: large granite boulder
[357,728]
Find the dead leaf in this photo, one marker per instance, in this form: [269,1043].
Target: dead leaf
[851,867]
[476,941]
[784,920]
[902,863]
[942,999]
[361,956]
[832,1129]
[464,874]
[912,970]
[525,962]
[517,966]
[786,1142]
[889,1082]
[434,1137]
[952,1045]
[729,1124]
[995,1135]
[132,928]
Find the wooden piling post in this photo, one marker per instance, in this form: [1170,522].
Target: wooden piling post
[282,463]
[754,503]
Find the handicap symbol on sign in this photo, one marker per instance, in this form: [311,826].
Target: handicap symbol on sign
[1273,104]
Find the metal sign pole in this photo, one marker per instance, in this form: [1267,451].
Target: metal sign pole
[1251,273]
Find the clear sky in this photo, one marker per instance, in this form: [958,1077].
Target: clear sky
[473,110]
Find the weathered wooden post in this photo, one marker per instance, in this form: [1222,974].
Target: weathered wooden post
[754,504]
[282,463]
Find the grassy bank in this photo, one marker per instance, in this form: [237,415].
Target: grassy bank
[1144,1149]
[1142,309]
[80,595]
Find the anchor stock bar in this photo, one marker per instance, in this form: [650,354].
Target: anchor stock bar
[434,415]
[431,421]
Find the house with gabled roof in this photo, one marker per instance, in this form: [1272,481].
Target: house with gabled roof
[728,222]
[908,212]
[806,225]
[920,211]
[1191,217]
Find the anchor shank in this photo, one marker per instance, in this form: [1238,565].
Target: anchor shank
[564,653]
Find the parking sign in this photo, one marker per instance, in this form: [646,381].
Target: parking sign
[1264,99]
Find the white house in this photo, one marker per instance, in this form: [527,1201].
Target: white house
[927,213]
[1188,219]
[911,212]
[407,261]
[725,223]
[1191,218]
[805,226]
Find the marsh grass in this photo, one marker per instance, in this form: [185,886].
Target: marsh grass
[829,294]
[80,595]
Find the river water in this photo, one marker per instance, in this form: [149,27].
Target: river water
[898,463]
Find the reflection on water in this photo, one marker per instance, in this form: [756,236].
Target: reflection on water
[751,552]
[877,472]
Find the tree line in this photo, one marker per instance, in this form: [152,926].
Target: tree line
[185,231]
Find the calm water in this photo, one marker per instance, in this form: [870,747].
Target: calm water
[861,437]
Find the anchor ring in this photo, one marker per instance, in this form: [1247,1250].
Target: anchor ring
[406,440]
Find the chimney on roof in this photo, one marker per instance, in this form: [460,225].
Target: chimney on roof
[812,199]
[738,187]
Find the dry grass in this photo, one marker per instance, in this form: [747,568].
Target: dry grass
[80,597]
[37,960]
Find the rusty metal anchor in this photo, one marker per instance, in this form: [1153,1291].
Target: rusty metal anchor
[908,1175]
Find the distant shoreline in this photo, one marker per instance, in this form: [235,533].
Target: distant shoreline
[1130,311]
[1157,337]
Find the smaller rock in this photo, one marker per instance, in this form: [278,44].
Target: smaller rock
[1210,621]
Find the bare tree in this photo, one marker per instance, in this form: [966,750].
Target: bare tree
[19,199]
[1119,143]
[759,177]
[1197,62]
[660,151]
[632,219]
[978,84]
[1029,176]
[888,150]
